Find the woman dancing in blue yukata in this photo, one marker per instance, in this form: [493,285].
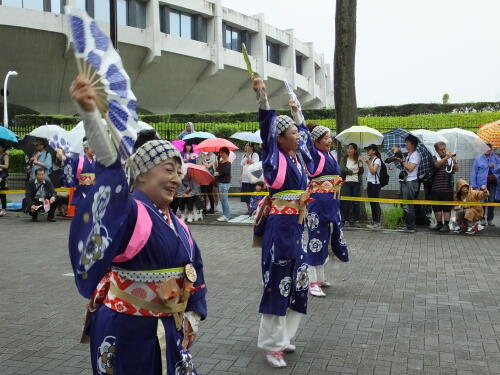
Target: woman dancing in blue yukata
[284,248]
[133,259]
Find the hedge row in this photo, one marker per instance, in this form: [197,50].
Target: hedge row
[17,161]
[318,114]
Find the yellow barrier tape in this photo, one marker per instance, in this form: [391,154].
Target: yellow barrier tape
[24,191]
[344,198]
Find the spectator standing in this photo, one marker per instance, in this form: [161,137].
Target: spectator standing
[39,190]
[81,173]
[486,171]
[445,165]
[41,158]
[188,156]
[209,161]
[190,190]
[188,129]
[408,180]
[352,173]
[223,175]
[373,186]
[260,187]
[4,173]
[249,158]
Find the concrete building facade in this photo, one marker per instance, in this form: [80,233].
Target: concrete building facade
[182,56]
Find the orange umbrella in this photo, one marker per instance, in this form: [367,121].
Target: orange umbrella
[199,173]
[215,144]
[489,123]
[490,133]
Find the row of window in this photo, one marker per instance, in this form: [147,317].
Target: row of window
[54,6]
[129,12]
[172,21]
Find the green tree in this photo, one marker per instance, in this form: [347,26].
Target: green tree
[446,98]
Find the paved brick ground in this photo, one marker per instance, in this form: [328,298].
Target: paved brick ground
[405,304]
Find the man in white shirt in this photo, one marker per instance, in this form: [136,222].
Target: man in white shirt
[409,181]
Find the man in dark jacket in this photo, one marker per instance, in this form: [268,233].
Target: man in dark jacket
[41,192]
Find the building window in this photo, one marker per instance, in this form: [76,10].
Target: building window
[183,25]
[56,6]
[101,11]
[273,53]
[27,4]
[298,64]
[317,75]
[233,38]
[81,4]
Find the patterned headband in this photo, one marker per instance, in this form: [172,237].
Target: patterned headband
[282,123]
[149,155]
[85,143]
[318,131]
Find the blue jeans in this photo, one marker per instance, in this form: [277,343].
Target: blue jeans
[224,199]
[490,211]
[409,191]
[350,189]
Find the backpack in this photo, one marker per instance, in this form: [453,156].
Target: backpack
[383,176]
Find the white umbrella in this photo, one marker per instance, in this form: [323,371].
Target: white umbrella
[144,126]
[362,136]
[248,137]
[57,136]
[464,143]
[428,137]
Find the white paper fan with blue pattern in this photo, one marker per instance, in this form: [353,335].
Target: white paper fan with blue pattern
[97,59]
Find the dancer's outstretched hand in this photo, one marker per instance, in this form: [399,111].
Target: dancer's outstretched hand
[258,83]
[83,93]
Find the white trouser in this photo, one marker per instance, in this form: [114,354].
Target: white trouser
[317,273]
[276,332]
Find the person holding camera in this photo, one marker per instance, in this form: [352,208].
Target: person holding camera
[445,165]
[408,180]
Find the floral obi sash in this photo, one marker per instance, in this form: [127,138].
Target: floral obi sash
[326,184]
[155,293]
[290,202]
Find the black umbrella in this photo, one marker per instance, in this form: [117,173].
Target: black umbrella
[27,145]
[397,137]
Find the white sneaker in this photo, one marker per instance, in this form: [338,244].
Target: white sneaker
[316,290]
[480,227]
[190,218]
[275,359]
[470,231]
[290,348]
[222,218]
[198,216]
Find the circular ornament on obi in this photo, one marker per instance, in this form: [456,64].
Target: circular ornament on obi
[190,273]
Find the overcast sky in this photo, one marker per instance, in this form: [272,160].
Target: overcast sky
[408,51]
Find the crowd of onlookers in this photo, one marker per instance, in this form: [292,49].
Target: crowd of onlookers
[45,172]
[440,186]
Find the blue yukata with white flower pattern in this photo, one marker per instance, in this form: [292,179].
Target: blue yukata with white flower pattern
[323,218]
[284,251]
[124,344]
